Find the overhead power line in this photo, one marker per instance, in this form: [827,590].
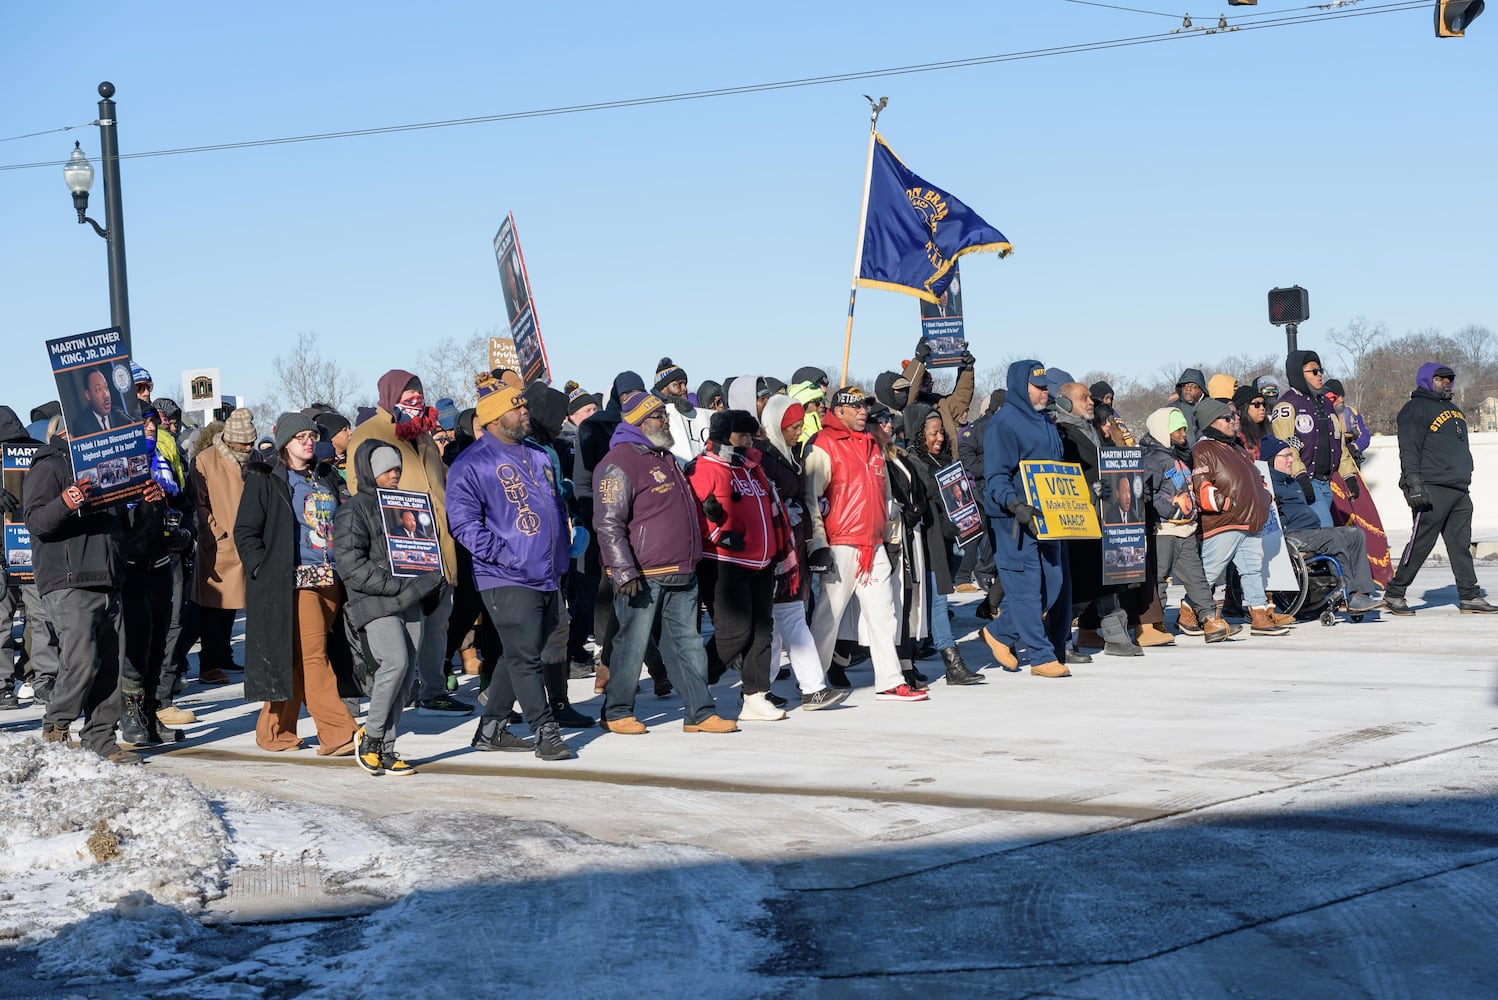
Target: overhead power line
[1287,20]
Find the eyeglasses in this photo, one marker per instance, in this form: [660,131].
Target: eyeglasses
[1315,371]
[305,437]
[657,415]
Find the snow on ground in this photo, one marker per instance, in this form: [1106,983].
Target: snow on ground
[105,872]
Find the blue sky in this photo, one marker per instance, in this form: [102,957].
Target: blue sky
[1153,193]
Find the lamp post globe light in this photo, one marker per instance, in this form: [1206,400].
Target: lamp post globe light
[78,174]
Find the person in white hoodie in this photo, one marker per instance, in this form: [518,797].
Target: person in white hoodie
[688,424]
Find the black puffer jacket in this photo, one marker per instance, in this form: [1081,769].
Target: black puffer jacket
[372,591]
[69,548]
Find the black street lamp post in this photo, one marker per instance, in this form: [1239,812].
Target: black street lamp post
[79,175]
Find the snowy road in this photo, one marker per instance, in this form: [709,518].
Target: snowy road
[1315,814]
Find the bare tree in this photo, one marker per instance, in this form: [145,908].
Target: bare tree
[303,377]
[1476,371]
[1354,343]
[448,369]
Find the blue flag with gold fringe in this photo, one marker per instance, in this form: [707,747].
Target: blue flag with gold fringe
[914,232]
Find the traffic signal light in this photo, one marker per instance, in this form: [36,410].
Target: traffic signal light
[1453,16]
[1289,305]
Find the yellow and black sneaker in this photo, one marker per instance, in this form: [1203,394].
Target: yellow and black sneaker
[369,753]
[392,763]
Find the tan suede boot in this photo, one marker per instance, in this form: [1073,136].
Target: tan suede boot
[711,724]
[627,726]
[1188,622]
[1262,622]
[1051,669]
[1153,635]
[1215,630]
[1002,653]
[171,715]
[472,662]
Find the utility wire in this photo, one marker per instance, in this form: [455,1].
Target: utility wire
[1286,20]
[1131,10]
[50,131]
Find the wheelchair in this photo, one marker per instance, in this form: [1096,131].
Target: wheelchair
[1321,593]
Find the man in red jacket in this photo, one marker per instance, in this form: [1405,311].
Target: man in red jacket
[744,533]
[848,498]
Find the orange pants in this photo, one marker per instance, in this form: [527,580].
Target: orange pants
[312,680]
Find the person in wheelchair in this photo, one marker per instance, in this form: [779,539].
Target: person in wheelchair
[1302,526]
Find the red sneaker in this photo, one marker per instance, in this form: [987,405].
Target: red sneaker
[902,693]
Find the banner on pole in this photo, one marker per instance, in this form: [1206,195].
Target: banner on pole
[958,501]
[200,392]
[410,532]
[941,325]
[1063,498]
[15,460]
[520,307]
[1125,537]
[106,436]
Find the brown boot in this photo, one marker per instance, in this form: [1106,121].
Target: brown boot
[711,724]
[1262,622]
[1089,638]
[1153,635]
[1280,619]
[472,662]
[1051,669]
[52,735]
[627,726]
[1215,630]
[1002,653]
[1187,621]
[600,678]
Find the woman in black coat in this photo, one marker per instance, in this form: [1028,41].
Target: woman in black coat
[284,535]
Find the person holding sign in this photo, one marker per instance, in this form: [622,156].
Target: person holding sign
[1029,569]
[1234,509]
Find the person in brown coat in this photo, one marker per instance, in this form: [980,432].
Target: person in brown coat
[405,422]
[218,577]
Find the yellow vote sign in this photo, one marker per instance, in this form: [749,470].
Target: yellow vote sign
[1063,498]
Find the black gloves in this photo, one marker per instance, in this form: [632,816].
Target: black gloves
[1304,479]
[631,587]
[1353,489]
[968,360]
[713,509]
[9,502]
[820,561]
[922,350]
[1415,494]
[1024,515]
[1105,490]
[733,541]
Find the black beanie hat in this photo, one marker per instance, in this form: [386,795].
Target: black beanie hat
[666,372]
[726,422]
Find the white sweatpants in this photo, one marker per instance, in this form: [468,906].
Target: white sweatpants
[878,614]
[794,636]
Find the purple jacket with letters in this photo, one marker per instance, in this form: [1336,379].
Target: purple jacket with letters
[503,505]
[644,512]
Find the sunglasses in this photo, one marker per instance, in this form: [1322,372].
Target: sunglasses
[1255,402]
[1315,371]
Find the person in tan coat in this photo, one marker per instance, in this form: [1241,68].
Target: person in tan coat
[404,421]
[218,577]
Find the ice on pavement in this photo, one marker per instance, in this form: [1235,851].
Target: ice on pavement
[494,894]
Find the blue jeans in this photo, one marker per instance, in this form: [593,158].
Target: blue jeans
[1323,504]
[1244,551]
[680,646]
[941,626]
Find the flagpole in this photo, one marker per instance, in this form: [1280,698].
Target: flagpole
[863,218]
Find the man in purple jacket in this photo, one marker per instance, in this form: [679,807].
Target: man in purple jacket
[645,516]
[504,506]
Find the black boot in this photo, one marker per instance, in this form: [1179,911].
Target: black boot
[163,734]
[494,734]
[551,746]
[837,676]
[569,717]
[957,671]
[914,678]
[136,725]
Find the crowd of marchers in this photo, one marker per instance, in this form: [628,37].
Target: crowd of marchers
[583,537]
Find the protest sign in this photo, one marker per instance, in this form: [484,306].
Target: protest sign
[957,499]
[410,532]
[520,307]
[1125,541]
[502,354]
[200,396]
[15,460]
[106,438]
[1062,498]
[941,325]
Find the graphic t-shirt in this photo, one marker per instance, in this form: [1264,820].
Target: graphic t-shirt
[313,506]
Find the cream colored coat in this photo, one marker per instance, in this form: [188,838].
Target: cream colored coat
[218,483]
[422,471]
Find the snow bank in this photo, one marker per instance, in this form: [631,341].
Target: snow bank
[79,834]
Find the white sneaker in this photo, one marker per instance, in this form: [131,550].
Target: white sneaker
[757,708]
